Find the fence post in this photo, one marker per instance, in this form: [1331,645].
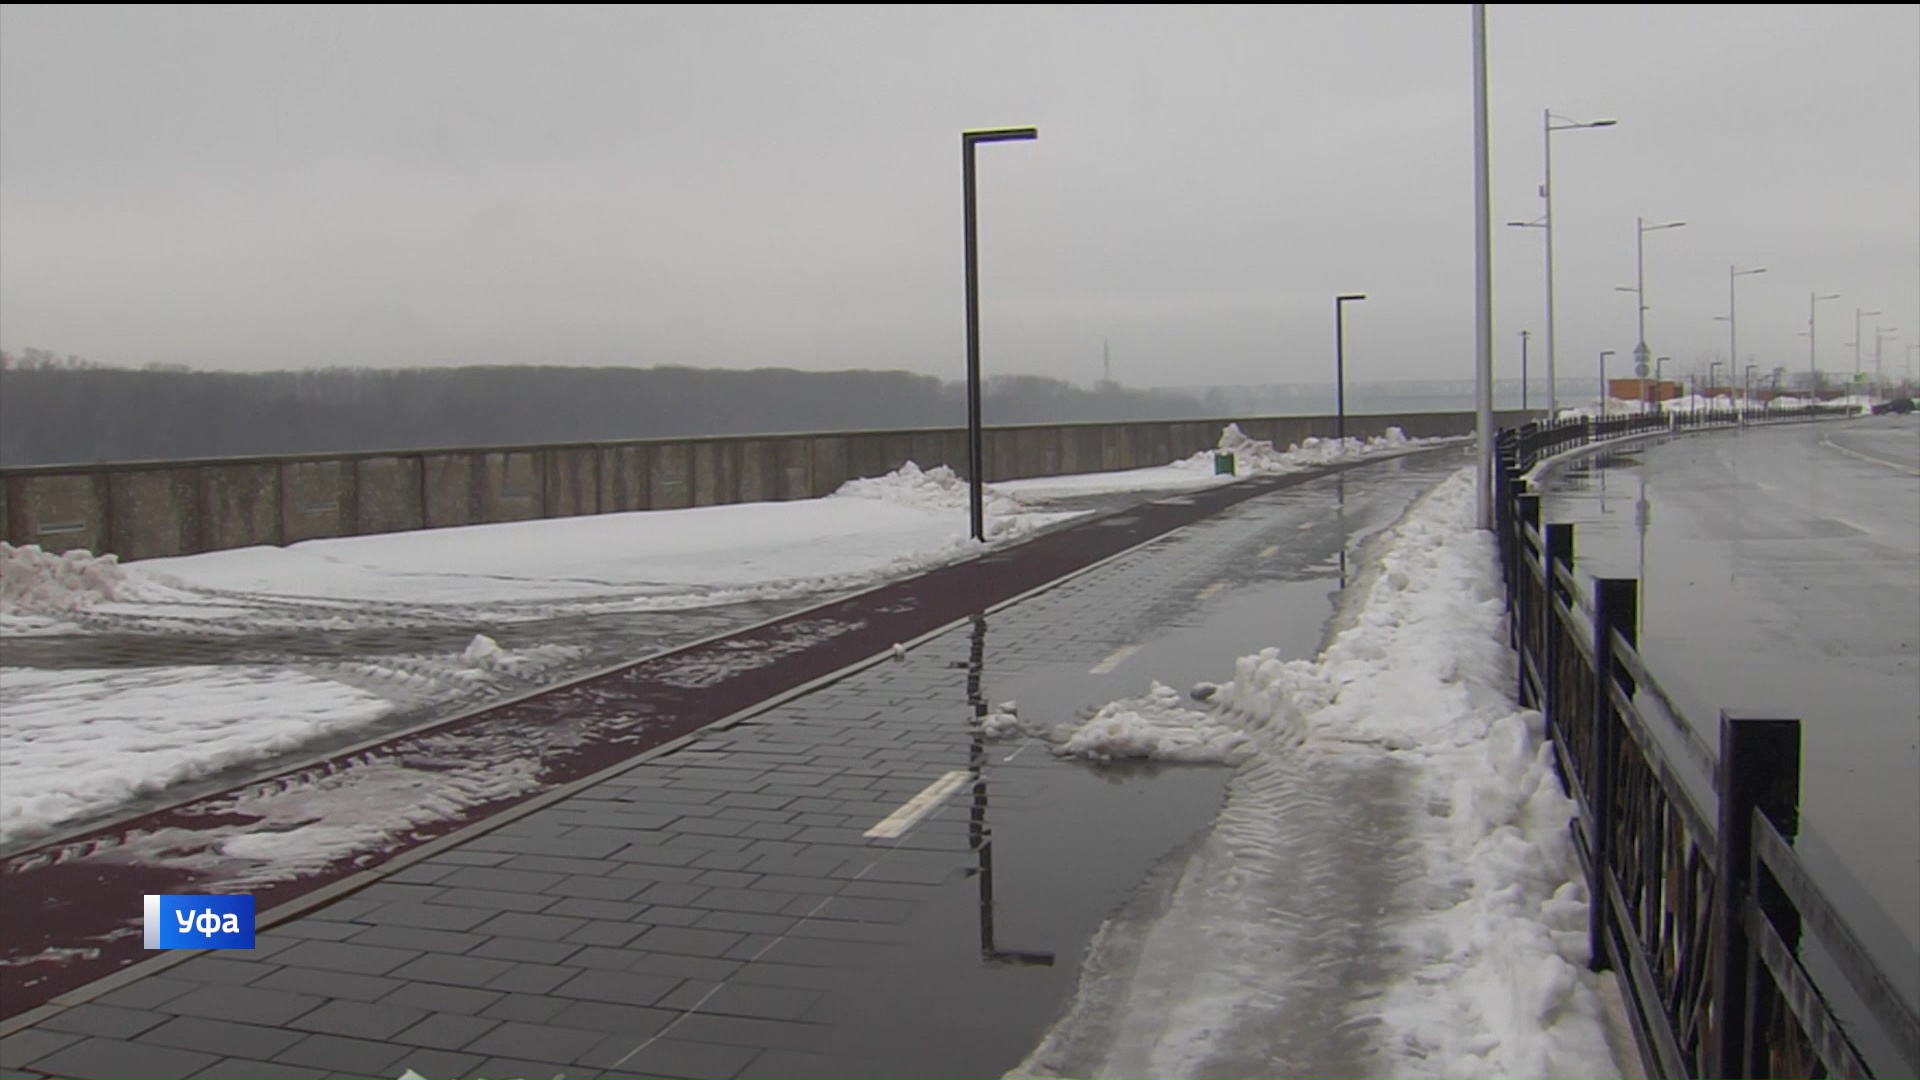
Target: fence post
[1558,553]
[1759,768]
[1616,606]
[1519,619]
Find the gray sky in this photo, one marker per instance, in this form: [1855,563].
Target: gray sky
[283,187]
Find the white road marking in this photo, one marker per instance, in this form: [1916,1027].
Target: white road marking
[1210,591]
[897,823]
[1305,525]
[1764,486]
[1831,445]
[1106,666]
[1268,551]
[1855,525]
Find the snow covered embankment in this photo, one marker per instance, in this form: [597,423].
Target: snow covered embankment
[1486,971]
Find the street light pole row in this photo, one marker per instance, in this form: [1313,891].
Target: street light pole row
[1545,224]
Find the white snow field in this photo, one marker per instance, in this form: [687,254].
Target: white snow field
[1390,889]
[78,739]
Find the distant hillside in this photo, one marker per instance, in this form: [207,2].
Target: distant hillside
[54,412]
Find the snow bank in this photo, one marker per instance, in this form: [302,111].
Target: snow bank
[1477,896]
[1256,457]
[39,581]
[941,489]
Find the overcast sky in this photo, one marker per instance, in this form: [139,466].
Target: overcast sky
[284,187]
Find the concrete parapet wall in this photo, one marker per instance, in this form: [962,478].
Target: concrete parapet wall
[152,509]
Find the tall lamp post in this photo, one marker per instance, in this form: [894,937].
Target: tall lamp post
[1482,284]
[1857,315]
[1746,401]
[1340,361]
[1639,288]
[1733,348]
[1550,124]
[1713,381]
[975,464]
[1603,381]
[1813,357]
[1881,334]
[1524,335]
[1659,384]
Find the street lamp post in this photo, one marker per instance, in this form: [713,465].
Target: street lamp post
[1524,335]
[1714,381]
[1659,383]
[1746,402]
[1340,361]
[975,463]
[1857,315]
[1880,336]
[1603,381]
[1733,349]
[1813,361]
[1545,224]
[1639,288]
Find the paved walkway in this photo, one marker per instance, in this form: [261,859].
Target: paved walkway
[730,908]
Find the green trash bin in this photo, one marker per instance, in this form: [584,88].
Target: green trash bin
[1223,463]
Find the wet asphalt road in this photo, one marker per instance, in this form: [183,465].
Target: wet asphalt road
[1781,576]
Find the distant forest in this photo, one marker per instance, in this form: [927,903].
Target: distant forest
[65,411]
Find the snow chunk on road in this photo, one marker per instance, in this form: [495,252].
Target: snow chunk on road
[1158,727]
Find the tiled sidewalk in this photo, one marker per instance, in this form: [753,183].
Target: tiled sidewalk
[717,911]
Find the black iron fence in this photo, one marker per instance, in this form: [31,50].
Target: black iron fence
[1699,900]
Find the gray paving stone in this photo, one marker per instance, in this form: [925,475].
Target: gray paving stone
[687,941]
[686,967]
[725,878]
[743,1032]
[411,937]
[807,866]
[573,845]
[599,888]
[346,909]
[360,1057]
[437,1063]
[105,1059]
[106,1021]
[671,893]
[754,901]
[524,881]
[673,1057]
[344,956]
[795,976]
[522,1068]
[532,978]
[855,909]
[814,952]
[358,1018]
[445,1031]
[523,925]
[316,930]
[528,1008]
[249,1069]
[469,971]
[23,1048]
[612,934]
[710,826]
[672,797]
[578,907]
[654,853]
[493,901]
[753,801]
[525,950]
[465,1000]
[763,1002]
[331,984]
[775,847]
[539,1042]
[839,930]
[422,873]
[794,883]
[427,916]
[466,857]
[242,1004]
[147,993]
[789,1063]
[220,1038]
[724,860]
[771,831]
[668,915]
[746,923]
[600,1016]
[602,958]
[618,987]
[559,864]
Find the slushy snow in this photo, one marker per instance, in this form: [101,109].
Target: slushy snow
[1390,889]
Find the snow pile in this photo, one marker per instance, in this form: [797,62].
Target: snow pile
[1158,726]
[938,488]
[79,742]
[1390,889]
[483,654]
[36,580]
[1255,457]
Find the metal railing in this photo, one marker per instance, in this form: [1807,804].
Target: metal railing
[1698,899]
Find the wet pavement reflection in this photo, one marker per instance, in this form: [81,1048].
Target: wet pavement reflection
[1782,578]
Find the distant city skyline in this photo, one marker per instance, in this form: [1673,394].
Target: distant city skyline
[286,187]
